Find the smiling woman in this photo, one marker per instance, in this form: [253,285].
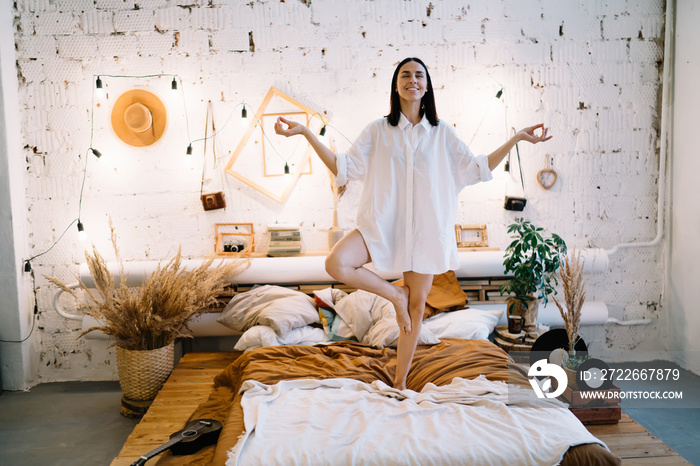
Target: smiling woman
[413,166]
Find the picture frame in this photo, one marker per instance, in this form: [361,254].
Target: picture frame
[249,164]
[234,239]
[471,236]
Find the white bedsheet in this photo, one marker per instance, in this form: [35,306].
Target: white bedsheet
[344,421]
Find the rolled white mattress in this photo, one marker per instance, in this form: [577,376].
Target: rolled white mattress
[311,269]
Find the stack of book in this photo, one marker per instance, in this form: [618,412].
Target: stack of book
[284,240]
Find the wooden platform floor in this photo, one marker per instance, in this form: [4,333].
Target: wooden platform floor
[192,381]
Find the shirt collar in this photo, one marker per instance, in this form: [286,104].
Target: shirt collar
[403,122]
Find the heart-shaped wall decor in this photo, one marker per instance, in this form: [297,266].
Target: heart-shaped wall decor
[547,177]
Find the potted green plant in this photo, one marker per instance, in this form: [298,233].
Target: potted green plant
[532,260]
[571,366]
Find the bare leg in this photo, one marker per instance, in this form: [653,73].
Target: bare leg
[419,286]
[345,262]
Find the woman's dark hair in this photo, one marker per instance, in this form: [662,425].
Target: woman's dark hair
[427,106]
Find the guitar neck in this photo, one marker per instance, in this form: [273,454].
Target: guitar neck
[156,451]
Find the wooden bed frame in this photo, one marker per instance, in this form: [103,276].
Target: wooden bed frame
[192,381]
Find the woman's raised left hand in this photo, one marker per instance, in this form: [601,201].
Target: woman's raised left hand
[532,135]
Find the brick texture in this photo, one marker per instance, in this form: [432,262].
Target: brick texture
[590,70]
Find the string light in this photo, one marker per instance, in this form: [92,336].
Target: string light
[82,235]
[99,91]
[286,168]
[244,117]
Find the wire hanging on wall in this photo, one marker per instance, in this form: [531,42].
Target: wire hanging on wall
[36,311]
[99,89]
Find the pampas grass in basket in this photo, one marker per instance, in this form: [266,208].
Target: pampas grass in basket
[156,313]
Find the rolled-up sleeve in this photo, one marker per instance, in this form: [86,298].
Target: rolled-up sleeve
[469,169]
[473,169]
[352,165]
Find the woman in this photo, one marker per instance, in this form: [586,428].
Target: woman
[413,167]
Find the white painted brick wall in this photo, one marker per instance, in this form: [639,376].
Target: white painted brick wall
[133,21]
[582,67]
[97,22]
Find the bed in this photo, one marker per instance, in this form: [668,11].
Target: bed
[436,364]
[311,384]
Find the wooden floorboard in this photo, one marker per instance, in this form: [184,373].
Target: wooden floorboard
[192,381]
[187,387]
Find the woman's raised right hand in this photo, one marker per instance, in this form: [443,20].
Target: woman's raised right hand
[292,127]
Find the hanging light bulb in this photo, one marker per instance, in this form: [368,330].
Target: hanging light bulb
[286,168]
[82,235]
[322,135]
[97,153]
[499,93]
[99,91]
[244,117]
[173,85]
[189,149]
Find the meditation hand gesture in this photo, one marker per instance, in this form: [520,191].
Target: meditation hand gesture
[293,127]
[528,134]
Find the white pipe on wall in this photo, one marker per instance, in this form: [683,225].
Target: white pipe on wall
[666,78]
[311,269]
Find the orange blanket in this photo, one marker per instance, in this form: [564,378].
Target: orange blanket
[438,364]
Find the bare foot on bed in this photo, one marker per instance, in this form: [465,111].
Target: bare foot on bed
[401,307]
[400,385]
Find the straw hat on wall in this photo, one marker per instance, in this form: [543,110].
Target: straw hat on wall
[139,118]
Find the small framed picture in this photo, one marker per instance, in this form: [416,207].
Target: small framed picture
[234,238]
[471,236]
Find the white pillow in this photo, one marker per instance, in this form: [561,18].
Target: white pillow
[373,320]
[468,324]
[275,306]
[385,332]
[262,335]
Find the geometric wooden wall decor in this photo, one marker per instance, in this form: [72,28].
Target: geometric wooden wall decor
[261,154]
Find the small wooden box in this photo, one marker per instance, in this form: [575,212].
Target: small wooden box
[607,398]
[602,410]
[606,415]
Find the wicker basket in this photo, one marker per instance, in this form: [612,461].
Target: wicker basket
[143,373]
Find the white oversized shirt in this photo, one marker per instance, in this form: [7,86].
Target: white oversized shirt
[412,178]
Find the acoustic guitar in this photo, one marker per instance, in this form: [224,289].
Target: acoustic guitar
[195,435]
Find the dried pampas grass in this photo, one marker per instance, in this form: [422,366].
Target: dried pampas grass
[574,285]
[157,312]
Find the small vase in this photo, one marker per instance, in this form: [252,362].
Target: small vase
[334,232]
[143,373]
[515,307]
[571,377]
[530,324]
